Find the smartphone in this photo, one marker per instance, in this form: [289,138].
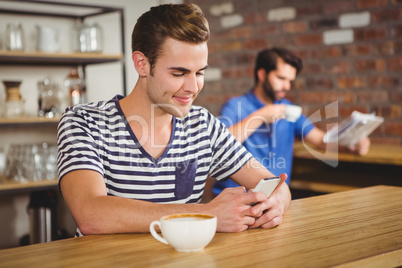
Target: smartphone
[267,186]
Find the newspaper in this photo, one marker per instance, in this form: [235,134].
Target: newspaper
[354,128]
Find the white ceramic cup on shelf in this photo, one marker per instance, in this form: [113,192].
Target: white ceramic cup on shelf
[186,232]
[292,112]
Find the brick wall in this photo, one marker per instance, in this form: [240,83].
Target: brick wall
[351,51]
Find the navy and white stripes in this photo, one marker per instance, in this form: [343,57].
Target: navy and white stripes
[98,137]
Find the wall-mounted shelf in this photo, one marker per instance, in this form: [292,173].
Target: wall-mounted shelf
[24,121]
[71,11]
[8,187]
[39,58]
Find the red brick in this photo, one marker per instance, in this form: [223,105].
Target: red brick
[393,128]
[255,18]
[370,34]
[213,47]
[291,96]
[267,30]
[356,50]
[312,97]
[386,15]
[339,67]
[384,48]
[373,96]
[294,27]
[398,47]
[327,52]
[342,97]
[298,83]
[309,39]
[282,41]
[319,83]
[383,81]
[336,7]
[389,112]
[323,23]
[395,64]
[370,65]
[242,32]
[256,43]
[249,72]
[232,72]
[363,4]
[215,60]
[346,111]
[241,58]
[309,10]
[396,97]
[221,35]
[313,68]
[303,54]
[232,46]
[396,31]
[350,82]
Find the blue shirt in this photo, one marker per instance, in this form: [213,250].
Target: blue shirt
[270,144]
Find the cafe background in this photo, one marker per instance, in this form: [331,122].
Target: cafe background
[351,49]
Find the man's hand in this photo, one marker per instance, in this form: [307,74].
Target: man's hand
[235,213]
[273,208]
[362,147]
[233,210]
[273,112]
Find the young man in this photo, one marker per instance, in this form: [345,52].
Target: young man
[256,119]
[128,161]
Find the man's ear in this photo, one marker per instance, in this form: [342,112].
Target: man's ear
[141,63]
[261,74]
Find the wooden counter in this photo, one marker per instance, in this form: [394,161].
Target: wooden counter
[358,228]
[332,172]
[378,154]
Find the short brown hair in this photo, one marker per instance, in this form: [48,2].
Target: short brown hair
[268,58]
[183,22]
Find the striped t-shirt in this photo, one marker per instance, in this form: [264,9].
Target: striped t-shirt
[97,137]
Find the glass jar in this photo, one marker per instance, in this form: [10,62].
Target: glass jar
[49,99]
[90,37]
[15,40]
[14,106]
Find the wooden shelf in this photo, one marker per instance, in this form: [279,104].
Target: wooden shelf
[12,187]
[29,121]
[39,58]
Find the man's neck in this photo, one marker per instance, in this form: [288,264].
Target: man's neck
[138,107]
[260,94]
[151,126]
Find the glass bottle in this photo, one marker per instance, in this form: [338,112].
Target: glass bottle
[76,87]
[15,40]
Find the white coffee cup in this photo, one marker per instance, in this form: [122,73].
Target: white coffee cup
[186,232]
[292,112]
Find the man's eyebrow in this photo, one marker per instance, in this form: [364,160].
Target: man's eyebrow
[284,77]
[185,70]
[204,68]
